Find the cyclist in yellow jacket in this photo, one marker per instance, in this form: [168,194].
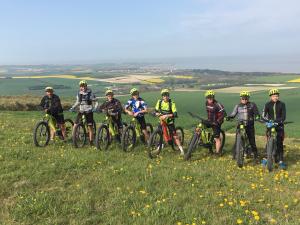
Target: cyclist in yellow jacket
[166,110]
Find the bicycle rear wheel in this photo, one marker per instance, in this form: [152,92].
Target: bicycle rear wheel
[69,126]
[180,134]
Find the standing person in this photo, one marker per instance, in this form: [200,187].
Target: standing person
[114,108]
[51,105]
[85,99]
[215,116]
[247,111]
[166,110]
[274,110]
[137,107]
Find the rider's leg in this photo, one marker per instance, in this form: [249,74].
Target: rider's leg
[90,121]
[90,127]
[61,122]
[119,123]
[172,132]
[217,131]
[250,130]
[143,126]
[52,126]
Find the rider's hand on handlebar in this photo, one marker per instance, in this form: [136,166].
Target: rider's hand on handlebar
[136,114]
[228,118]
[130,113]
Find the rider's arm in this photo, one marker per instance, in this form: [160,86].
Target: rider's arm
[221,112]
[77,103]
[119,107]
[283,114]
[127,105]
[94,99]
[256,111]
[265,112]
[144,106]
[174,110]
[43,103]
[234,112]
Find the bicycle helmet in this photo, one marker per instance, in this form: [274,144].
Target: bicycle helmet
[83,83]
[165,92]
[49,89]
[273,91]
[134,91]
[109,92]
[209,94]
[245,94]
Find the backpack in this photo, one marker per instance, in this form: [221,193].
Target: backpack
[89,101]
[170,105]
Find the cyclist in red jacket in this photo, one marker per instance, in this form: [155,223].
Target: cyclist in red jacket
[215,117]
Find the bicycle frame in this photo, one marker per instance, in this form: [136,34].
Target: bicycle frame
[204,132]
[136,126]
[51,121]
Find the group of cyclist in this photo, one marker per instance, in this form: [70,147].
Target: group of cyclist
[165,109]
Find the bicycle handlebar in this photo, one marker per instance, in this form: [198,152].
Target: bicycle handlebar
[196,116]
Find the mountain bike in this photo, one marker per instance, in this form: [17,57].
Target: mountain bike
[107,131]
[161,134]
[271,145]
[41,132]
[80,132]
[203,136]
[132,132]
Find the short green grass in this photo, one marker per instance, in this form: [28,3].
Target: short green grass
[62,185]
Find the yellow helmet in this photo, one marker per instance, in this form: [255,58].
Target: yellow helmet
[83,83]
[165,91]
[49,89]
[209,93]
[133,90]
[109,91]
[245,94]
[273,91]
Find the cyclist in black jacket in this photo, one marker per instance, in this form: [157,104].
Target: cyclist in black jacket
[275,110]
[51,105]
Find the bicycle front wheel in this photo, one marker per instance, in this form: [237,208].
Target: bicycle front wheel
[270,153]
[192,146]
[239,150]
[128,140]
[41,134]
[155,143]
[69,126]
[79,135]
[102,138]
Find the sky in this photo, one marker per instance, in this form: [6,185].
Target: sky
[90,31]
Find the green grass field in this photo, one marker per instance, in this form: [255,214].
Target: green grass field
[62,185]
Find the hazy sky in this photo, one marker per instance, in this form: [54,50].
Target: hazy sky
[62,31]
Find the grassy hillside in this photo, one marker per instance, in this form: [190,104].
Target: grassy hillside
[185,102]
[62,185]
